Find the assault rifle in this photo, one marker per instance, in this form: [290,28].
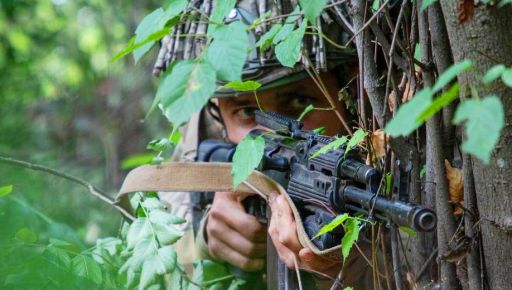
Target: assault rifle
[336,179]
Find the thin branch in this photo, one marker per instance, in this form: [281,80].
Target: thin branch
[91,188]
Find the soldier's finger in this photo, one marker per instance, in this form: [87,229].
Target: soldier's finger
[221,251]
[285,254]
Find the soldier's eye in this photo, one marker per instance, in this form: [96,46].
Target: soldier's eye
[301,102]
[246,113]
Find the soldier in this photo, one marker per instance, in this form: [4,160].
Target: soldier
[223,229]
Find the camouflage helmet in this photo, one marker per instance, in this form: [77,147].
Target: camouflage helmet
[187,40]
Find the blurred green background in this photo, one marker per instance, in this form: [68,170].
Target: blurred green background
[65,105]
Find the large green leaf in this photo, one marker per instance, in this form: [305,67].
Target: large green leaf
[167,234]
[288,26]
[139,230]
[25,235]
[405,120]
[164,217]
[426,3]
[220,11]
[153,23]
[484,120]
[331,146]
[185,90]
[450,73]
[506,77]
[312,9]
[86,267]
[350,237]
[228,51]
[247,156]
[163,262]
[288,51]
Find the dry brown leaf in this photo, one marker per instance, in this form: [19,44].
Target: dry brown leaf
[456,186]
[466,10]
[378,149]
[411,281]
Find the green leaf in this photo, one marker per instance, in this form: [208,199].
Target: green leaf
[220,11]
[439,103]
[423,171]
[5,190]
[405,120]
[426,3]
[228,51]
[357,137]
[484,120]
[348,288]
[163,217]
[506,77]
[247,86]
[305,112]
[85,267]
[135,160]
[132,46]
[288,51]
[149,24]
[26,235]
[155,22]
[163,262]
[350,237]
[247,157]
[450,73]
[312,9]
[167,234]
[139,230]
[266,39]
[375,5]
[288,26]
[336,222]
[410,232]
[185,90]
[331,146]
[57,258]
[493,73]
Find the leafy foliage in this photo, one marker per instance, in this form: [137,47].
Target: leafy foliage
[493,73]
[331,146]
[5,190]
[484,121]
[439,103]
[312,9]
[357,138]
[288,51]
[247,156]
[336,222]
[351,236]
[246,86]
[227,52]
[406,119]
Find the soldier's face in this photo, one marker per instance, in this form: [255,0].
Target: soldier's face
[290,101]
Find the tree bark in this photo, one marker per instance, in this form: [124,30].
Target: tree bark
[487,40]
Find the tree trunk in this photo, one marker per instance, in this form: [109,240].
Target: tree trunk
[487,40]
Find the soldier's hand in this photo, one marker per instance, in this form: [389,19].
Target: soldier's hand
[283,231]
[233,235]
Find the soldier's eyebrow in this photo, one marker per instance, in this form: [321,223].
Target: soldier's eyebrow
[237,101]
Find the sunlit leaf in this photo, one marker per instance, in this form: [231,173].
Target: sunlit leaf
[288,51]
[305,112]
[351,236]
[185,90]
[312,9]
[247,157]
[86,267]
[439,103]
[131,45]
[450,73]
[159,144]
[405,120]
[26,235]
[331,146]
[336,222]
[135,160]
[139,230]
[484,120]
[167,234]
[5,190]
[389,182]
[220,11]
[247,86]
[493,73]
[164,217]
[228,51]
[356,138]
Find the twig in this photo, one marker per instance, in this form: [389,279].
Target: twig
[425,265]
[93,190]
[367,23]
